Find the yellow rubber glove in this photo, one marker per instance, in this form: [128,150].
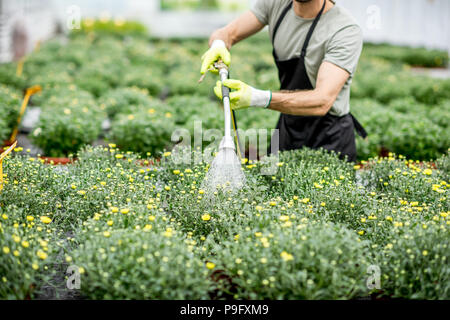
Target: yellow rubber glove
[243,96]
[218,51]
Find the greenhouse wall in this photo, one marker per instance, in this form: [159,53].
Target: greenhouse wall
[29,20]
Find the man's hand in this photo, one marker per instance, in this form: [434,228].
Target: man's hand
[218,51]
[243,96]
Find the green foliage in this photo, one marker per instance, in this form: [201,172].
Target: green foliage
[140,265]
[10,102]
[145,229]
[143,130]
[314,261]
[419,57]
[9,77]
[124,100]
[67,123]
[421,135]
[107,27]
[26,254]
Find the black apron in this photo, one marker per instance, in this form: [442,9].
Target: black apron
[329,132]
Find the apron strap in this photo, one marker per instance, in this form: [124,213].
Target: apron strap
[277,25]
[359,128]
[311,30]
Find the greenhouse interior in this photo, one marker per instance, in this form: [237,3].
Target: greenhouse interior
[231,150]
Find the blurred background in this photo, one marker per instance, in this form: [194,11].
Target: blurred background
[24,22]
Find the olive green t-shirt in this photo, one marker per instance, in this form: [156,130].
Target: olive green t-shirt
[337,39]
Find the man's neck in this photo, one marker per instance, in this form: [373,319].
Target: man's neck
[310,9]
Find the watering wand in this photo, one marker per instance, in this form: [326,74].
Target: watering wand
[227,141]
[225,170]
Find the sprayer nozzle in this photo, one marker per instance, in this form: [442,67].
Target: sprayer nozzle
[227,143]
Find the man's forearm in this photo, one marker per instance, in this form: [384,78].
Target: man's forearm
[237,30]
[224,35]
[301,103]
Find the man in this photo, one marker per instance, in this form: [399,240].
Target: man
[316,49]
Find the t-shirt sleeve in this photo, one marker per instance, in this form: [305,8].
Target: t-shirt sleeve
[261,9]
[345,47]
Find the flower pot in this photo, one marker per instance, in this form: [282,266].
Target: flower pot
[58,161]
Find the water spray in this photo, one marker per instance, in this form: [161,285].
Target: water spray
[225,172]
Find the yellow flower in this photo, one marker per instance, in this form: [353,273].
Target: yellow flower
[258,208]
[286,256]
[357,167]
[46,220]
[284,218]
[35,266]
[30,218]
[258,234]
[272,203]
[124,210]
[167,188]
[176,172]
[106,234]
[425,252]
[206,217]
[41,254]
[428,172]
[110,223]
[6,250]
[263,260]
[82,192]
[166,154]
[147,227]
[168,233]
[25,244]
[210,265]
[361,232]
[305,200]
[114,209]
